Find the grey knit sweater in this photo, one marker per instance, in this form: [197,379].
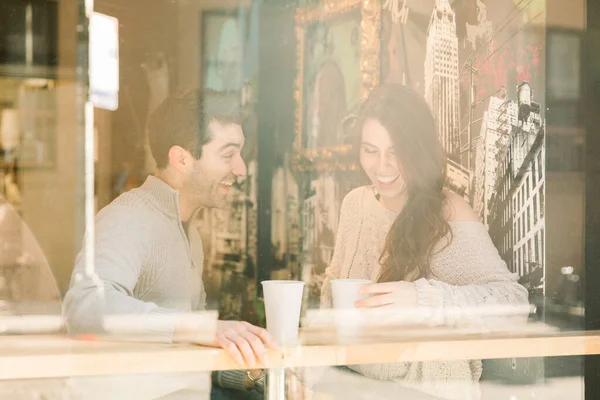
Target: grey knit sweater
[146,267]
[149,267]
[143,261]
[469,272]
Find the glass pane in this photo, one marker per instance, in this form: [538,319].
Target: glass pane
[41,189]
[165,165]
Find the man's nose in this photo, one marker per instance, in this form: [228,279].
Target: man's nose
[240,167]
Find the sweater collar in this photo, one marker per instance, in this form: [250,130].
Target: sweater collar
[163,196]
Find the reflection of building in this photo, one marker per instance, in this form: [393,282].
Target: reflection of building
[529,123]
[321,196]
[500,116]
[252,213]
[228,237]
[458,178]
[528,206]
[516,207]
[229,234]
[285,225]
[500,215]
[441,75]
[320,213]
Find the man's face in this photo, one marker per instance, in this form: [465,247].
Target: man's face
[210,180]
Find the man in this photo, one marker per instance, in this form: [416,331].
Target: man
[148,254]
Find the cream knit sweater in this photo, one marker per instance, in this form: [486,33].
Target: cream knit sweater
[469,272]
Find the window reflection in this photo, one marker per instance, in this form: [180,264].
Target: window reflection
[504,86]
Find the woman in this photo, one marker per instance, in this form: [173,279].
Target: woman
[422,245]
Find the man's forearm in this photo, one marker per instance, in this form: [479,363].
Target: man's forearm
[195,328]
[88,310]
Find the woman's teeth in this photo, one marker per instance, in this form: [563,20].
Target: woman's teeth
[386,179]
[226,183]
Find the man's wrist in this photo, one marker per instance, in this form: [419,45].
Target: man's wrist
[252,377]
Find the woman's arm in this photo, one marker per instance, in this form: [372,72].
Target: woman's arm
[469,275]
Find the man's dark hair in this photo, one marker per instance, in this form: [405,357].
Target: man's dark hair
[182,119]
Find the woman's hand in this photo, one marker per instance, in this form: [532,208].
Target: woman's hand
[389,294]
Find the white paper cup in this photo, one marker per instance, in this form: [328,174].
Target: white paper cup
[283,302]
[345,292]
[347,318]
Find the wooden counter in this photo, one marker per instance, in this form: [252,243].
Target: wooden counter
[58,356]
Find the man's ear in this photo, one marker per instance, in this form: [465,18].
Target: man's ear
[180,159]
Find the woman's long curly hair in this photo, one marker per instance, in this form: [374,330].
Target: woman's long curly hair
[421,224]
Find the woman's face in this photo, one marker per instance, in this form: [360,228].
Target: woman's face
[378,160]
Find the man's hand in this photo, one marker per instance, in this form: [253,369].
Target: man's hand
[244,342]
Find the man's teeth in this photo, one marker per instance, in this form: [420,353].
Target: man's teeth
[226,183]
[386,179]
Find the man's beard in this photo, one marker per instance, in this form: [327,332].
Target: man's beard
[204,194]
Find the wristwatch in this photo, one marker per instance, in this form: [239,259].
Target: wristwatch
[254,380]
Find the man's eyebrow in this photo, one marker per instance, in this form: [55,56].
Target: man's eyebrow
[236,145]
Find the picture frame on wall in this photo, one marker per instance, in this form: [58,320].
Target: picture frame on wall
[338,48]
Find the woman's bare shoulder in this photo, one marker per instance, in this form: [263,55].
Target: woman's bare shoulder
[456,208]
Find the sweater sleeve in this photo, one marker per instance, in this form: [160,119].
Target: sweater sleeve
[467,276]
[234,379]
[120,251]
[470,278]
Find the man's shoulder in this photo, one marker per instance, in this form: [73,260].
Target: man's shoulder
[133,198]
[129,207]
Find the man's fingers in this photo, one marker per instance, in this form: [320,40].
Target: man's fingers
[244,347]
[263,335]
[250,342]
[257,346]
[231,348]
